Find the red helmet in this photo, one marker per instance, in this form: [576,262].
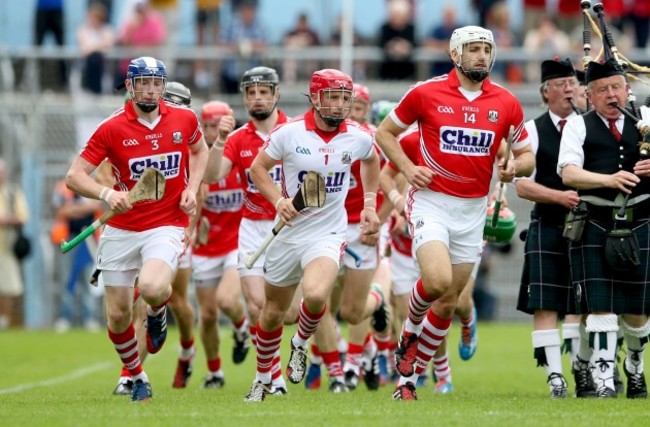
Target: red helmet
[361,93]
[329,79]
[214,110]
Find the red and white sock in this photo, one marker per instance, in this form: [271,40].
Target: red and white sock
[268,344]
[434,330]
[252,330]
[241,325]
[419,303]
[332,362]
[307,325]
[353,358]
[383,343]
[126,346]
[157,310]
[186,351]
[276,369]
[214,365]
[441,367]
[316,357]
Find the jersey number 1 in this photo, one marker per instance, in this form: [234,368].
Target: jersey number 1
[327,157]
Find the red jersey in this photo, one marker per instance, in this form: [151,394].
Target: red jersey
[133,145]
[354,199]
[459,138]
[223,209]
[241,149]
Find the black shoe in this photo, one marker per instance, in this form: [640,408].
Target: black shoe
[371,375]
[214,381]
[338,387]
[297,365]
[618,381]
[585,386]
[124,387]
[558,386]
[351,380]
[636,387]
[605,393]
[240,349]
[380,315]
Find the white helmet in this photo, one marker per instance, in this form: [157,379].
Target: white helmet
[464,35]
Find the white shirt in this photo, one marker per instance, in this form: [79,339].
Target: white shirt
[533,136]
[302,150]
[573,138]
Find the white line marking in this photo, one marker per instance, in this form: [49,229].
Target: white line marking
[57,380]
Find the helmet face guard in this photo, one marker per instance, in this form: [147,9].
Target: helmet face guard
[178,93]
[462,37]
[150,73]
[257,78]
[331,93]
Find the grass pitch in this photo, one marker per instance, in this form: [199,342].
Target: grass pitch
[49,379]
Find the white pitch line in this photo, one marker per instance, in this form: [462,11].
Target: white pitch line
[58,380]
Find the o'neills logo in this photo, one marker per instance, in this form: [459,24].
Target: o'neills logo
[168,163]
[467,141]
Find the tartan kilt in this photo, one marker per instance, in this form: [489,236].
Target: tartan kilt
[598,287]
[545,279]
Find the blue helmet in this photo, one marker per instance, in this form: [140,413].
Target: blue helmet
[146,66]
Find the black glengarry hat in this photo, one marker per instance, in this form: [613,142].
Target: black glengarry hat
[601,70]
[556,68]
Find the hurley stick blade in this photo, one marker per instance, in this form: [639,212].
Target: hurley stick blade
[151,186]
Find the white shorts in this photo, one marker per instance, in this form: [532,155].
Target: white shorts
[405,272]
[121,253]
[207,271]
[251,235]
[455,221]
[285,261]
[185,260]
[367,253]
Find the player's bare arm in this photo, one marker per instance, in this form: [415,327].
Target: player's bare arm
[388,183]
[530,190]
[260,176]
[78,179]
[198,160]
[418,176]
[370,180]
[581,179]
[522,164]
[218,166]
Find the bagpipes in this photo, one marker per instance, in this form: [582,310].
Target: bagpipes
[621,246]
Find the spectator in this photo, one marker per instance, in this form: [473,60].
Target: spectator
[499,24]
[438,39]
[359,66]
[246,37]
[300,37]
[73,214]
[534,10]
[170,12]
[13,214]
[640,16]
[546,37]
[144,28]
[483,8]
[207,34]
[95,38]
[569,15]
[397,39]
[49,19]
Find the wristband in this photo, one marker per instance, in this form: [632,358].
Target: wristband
[278,203]
[107,198]
[394,196]
[220,143]
[103,193]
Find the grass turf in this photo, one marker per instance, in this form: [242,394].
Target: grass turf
[50,379]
